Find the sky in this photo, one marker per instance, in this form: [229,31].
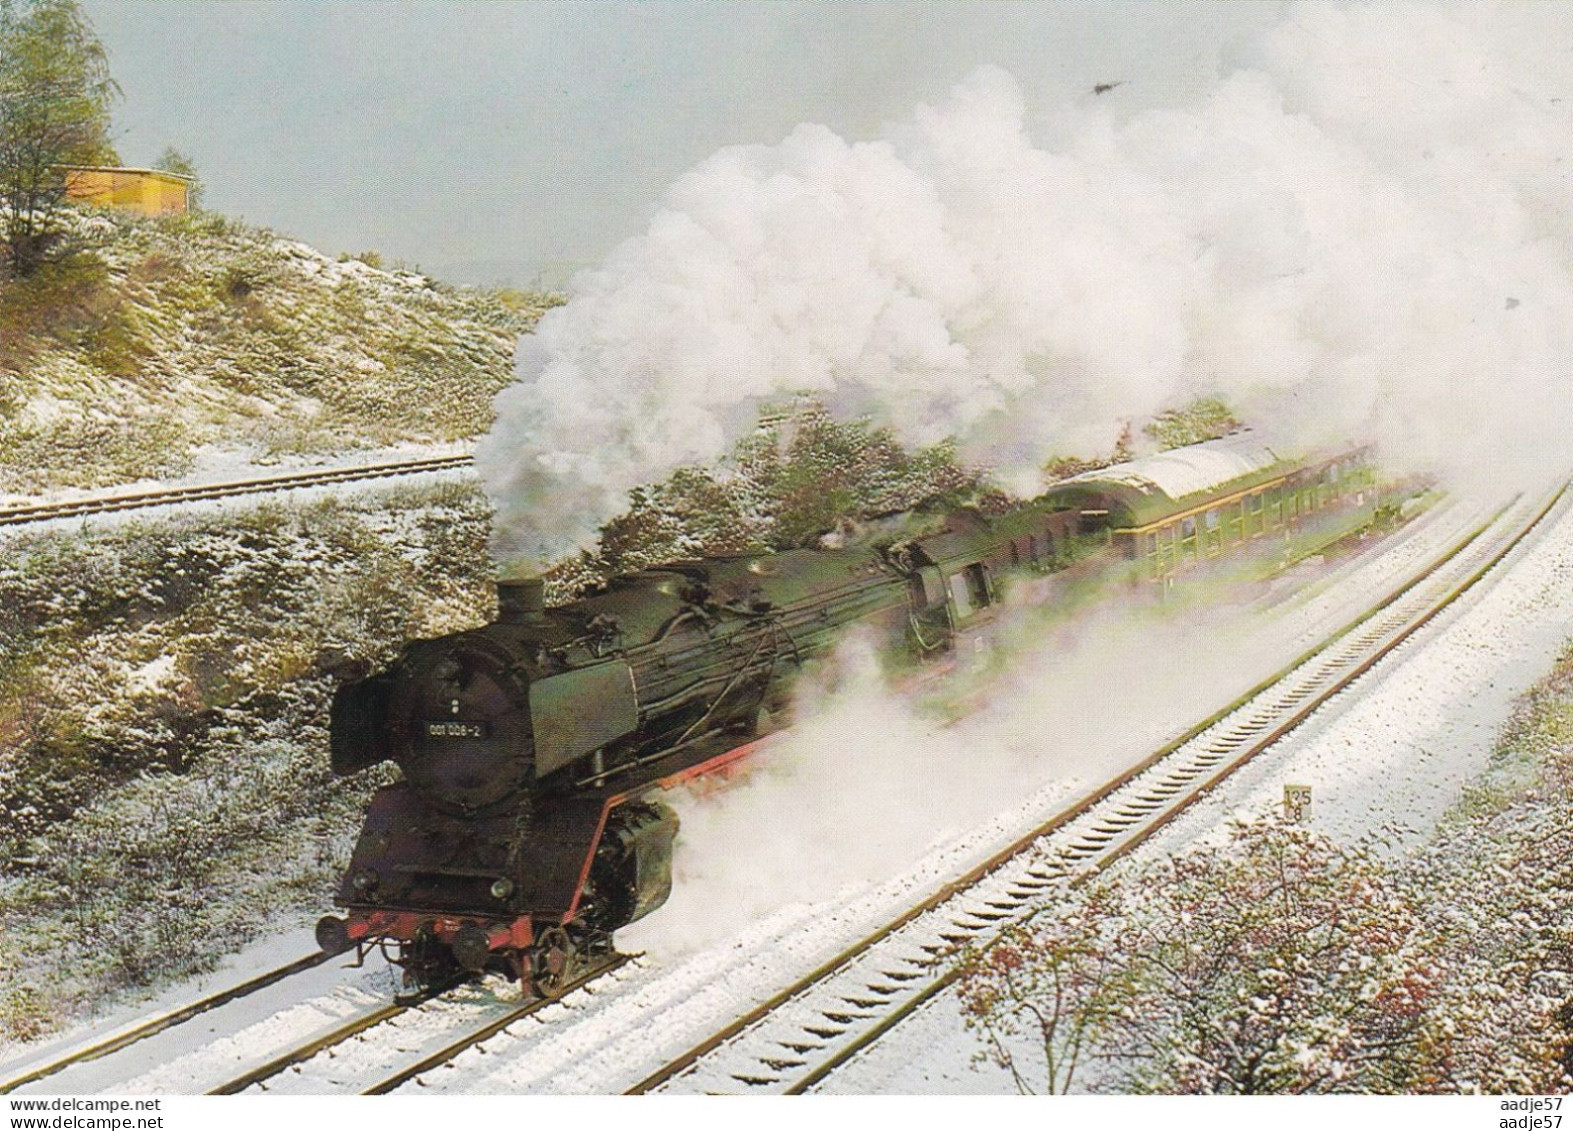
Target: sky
[499,142]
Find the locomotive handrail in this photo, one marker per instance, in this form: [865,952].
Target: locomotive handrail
[747,667]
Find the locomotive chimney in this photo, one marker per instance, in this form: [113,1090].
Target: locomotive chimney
[522,601]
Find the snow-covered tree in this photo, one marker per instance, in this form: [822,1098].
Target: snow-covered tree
[1045,995]
[55,95]
[1277,962]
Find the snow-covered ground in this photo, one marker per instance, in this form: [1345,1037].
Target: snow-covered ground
[769,917]
[1387,758]
[218,465]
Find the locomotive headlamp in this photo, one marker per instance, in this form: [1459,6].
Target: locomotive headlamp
[366,880]
[502,889]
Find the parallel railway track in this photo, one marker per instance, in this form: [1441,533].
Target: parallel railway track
[490,1023]
[109,504]
[801,1035]
[159,1023]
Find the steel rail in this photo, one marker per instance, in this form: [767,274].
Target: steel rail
[1107,858]
[491,1029]
[163,1021]
[691,1057]
[335,1036]
[108,504]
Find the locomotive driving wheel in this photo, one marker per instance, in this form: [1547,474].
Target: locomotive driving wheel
[551,962]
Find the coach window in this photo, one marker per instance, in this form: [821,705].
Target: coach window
[1188,536]
[1214,537]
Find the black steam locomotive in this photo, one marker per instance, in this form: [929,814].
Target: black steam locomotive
[527,826]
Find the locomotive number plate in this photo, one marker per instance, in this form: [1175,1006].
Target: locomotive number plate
[447,728]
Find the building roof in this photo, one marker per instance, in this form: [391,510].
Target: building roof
[126,169]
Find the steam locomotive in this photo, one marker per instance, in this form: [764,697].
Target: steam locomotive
[527,826]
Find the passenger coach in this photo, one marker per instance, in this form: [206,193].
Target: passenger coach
[1176,510]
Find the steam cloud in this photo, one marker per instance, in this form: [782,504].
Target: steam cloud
[1362,230]
[866,782]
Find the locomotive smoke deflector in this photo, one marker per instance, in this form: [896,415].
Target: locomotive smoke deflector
[564,730]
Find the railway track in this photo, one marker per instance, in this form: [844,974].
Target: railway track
[476,1023]
[801,1035]
[162,1022]
[109,504]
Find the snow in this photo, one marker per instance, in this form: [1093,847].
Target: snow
[1388,757]
[1392,752]
[1188,470]
[220,465]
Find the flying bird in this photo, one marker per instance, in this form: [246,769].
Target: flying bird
[1105,87]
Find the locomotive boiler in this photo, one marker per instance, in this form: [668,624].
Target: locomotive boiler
[526,825]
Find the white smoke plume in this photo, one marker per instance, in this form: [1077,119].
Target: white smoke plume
[1361,230]
[866,782]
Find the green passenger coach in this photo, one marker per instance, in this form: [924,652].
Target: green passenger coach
[1175,511]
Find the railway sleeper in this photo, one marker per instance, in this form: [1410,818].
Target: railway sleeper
[972,929]
[1046,878]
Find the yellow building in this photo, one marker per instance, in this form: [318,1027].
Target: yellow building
[151,192]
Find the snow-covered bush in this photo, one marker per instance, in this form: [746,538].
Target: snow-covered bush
[164,784]
[1274,963]
[1283,962]
[198,329]
[1499,887]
